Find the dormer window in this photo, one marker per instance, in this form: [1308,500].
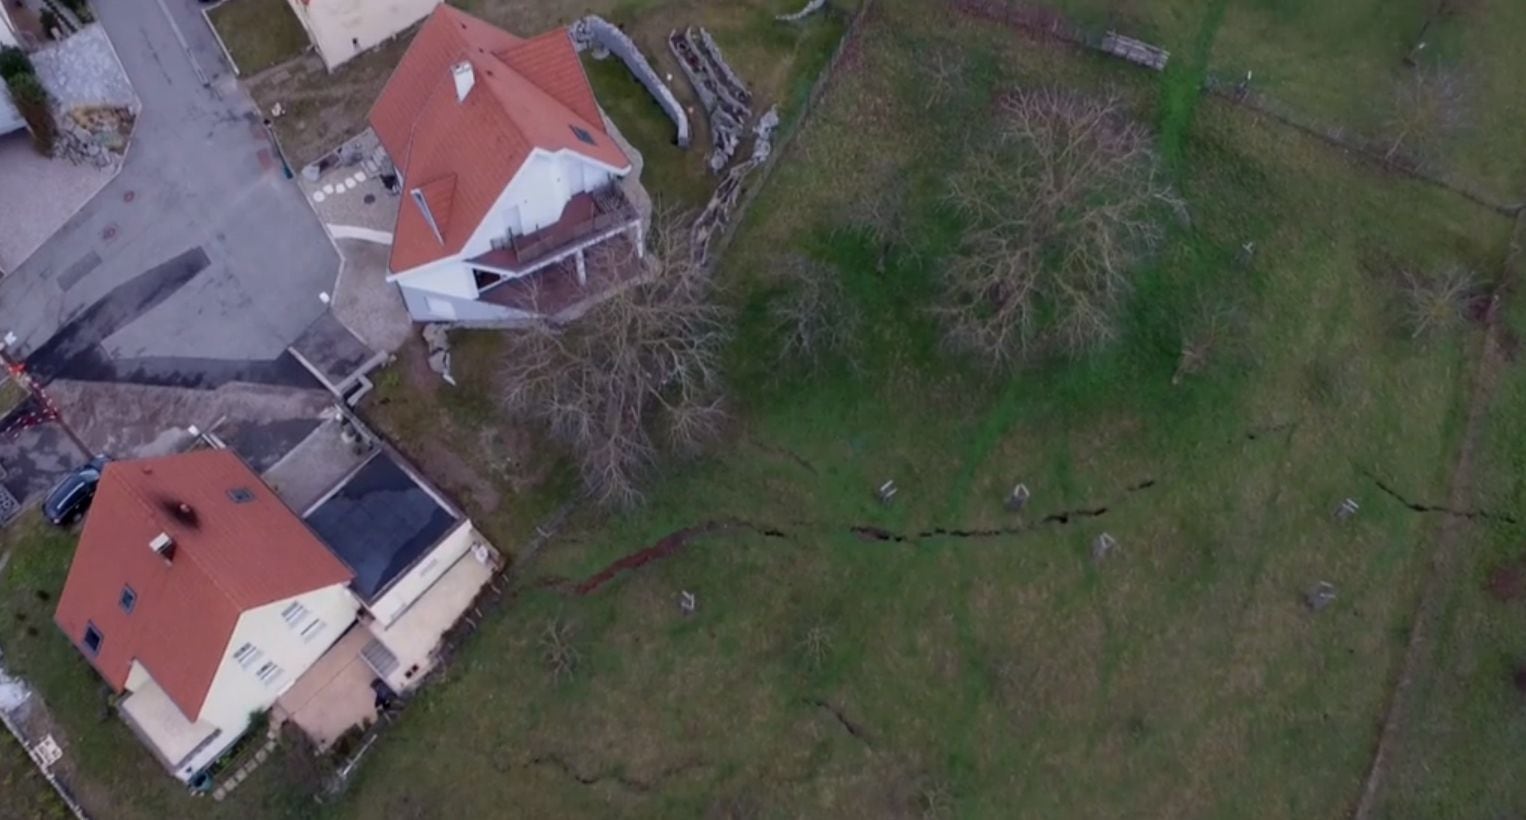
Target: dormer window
[128,600]
[582,135]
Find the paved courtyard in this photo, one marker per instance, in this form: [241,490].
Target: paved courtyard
[201,261]
[172,297]
[30,217]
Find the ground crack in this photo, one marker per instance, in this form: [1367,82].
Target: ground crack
[849,726]
[632,784]
[870,532]
[666,546]
[1471,515]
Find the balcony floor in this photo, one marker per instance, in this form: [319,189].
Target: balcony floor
[554,290]
[584,216]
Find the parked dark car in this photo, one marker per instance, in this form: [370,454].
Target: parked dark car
[68,500]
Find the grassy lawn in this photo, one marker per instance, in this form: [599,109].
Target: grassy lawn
[12,394]
[1457,754]
[830,673]
[669,172]
[504,476]
[258,33]
[943,656]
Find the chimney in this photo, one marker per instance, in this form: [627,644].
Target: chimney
[465,79]
[164,545]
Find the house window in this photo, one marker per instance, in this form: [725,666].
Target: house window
[486,279]
[441,308]
[247,655]
[240,495]
[582,135]
[93,639]
[294,613]
[313,630]
[268,673]
[128,600]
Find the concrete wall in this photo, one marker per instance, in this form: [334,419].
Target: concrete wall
[237,691]
[447,277]
[407,588]
[341,29]
[428,306]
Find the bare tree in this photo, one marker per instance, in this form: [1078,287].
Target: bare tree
[1211,327]
[556,648]
[816,644]
[1061,207]
[814,319]
[1438,302]
[943,73]
[644,360]
[1426,111]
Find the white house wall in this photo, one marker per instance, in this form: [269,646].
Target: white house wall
[533,199]
[448,277]
[236,691]
[341,29]
[536,195]
[428,306]
[407,588]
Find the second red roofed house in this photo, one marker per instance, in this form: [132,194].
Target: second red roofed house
[508,174]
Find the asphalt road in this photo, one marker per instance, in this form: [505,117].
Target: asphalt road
[200,262]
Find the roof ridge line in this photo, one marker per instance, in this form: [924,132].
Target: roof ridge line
[190,555]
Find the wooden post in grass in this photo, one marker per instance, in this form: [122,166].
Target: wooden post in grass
[1320,596]
[1347,509]
[1104,544]
[1018,498]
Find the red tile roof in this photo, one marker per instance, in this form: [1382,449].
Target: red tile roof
[527,94]
[229,557]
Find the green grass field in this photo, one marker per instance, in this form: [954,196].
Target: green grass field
[258,33]
[1457,755]
[942,656]
[948,672]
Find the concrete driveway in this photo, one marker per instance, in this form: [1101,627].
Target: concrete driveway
[200,263]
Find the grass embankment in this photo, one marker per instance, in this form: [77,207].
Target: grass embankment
[922,664]
[1456,748]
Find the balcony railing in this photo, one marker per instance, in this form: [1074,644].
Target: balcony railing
[586,215]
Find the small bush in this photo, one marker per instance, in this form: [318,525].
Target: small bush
[1437,303]
[32,101]
[14,62]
